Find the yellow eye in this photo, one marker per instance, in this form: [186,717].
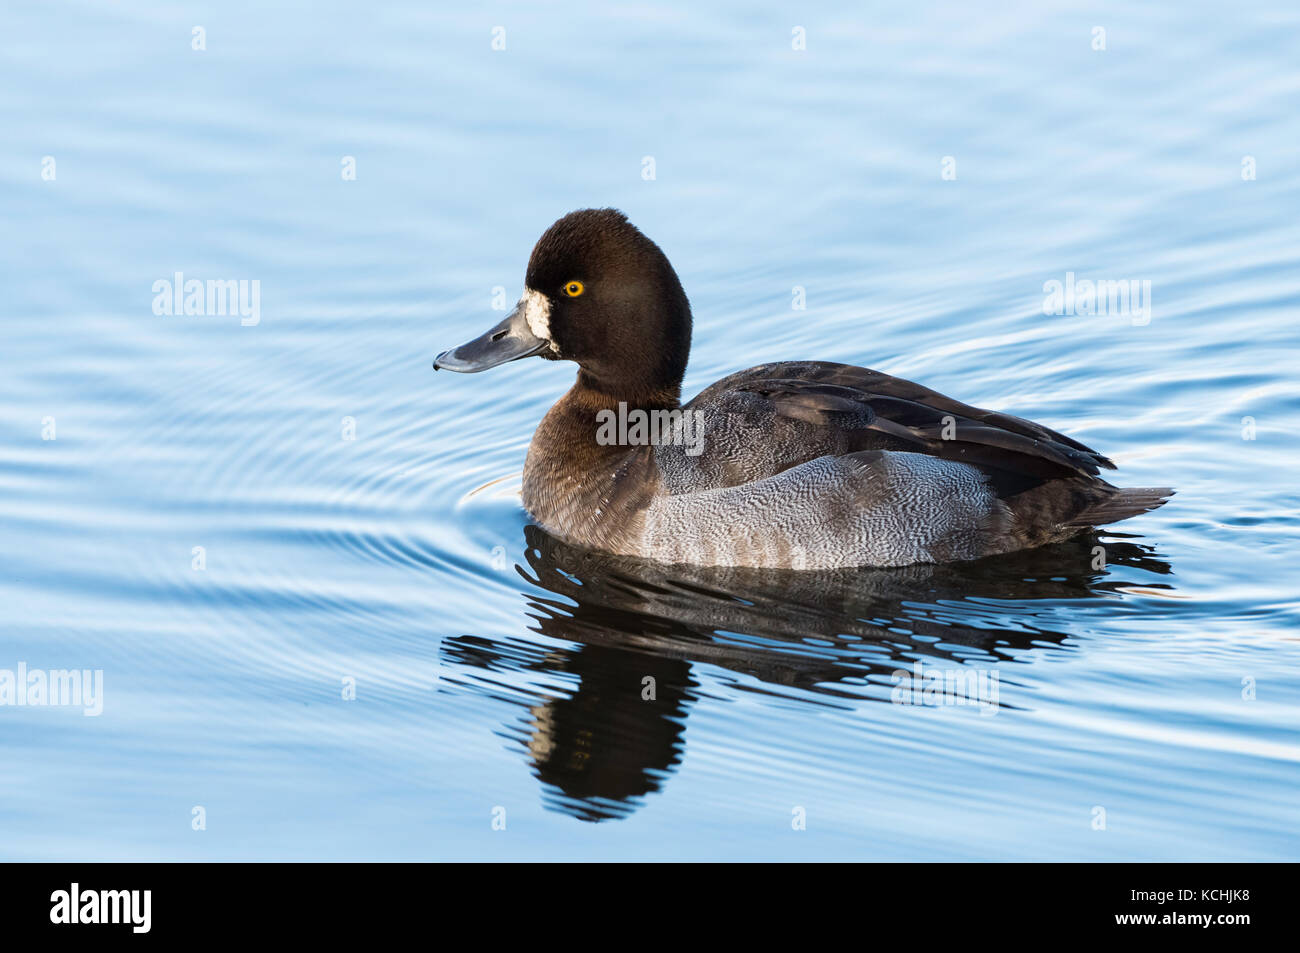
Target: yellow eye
[574,288]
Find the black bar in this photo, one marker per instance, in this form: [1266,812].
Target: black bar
[332,901]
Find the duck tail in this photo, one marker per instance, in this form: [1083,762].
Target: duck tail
[1123,503]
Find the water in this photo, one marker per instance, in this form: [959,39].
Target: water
[497,671]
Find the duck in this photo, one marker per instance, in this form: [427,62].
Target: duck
[798,465]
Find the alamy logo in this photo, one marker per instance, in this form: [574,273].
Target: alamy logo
[103,906]
[1101,297]
[938,687]
[64,688]
[190,296]
[658,428]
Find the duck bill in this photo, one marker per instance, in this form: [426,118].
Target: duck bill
[508,341]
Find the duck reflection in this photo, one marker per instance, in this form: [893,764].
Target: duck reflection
[833,637]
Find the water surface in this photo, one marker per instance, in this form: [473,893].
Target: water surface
[359,519]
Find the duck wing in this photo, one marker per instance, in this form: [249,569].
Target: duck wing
[870,410]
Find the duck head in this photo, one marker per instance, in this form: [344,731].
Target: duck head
[601,294]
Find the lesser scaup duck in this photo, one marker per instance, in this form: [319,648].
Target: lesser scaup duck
[793,465]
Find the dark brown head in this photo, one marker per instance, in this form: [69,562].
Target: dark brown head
[599,293]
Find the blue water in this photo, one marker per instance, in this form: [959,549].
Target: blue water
[1147,707]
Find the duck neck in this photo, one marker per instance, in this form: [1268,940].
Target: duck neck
[595,394]
[580,484]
